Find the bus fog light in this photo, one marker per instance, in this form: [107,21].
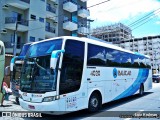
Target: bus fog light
[48,99]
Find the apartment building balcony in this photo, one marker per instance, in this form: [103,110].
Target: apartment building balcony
[150,41]
[70,25]
[50,12]
[127,48]
[83,30]
[83,12]
[149,46]
[131,45]
[127,44]
[54,1]
[21,4]
[70,6]
[145,42]
[136,47]
[122,45]
[145,47]
[50,31]
[10,23]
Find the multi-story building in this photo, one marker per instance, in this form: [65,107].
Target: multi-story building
[73,17]
[34,20]
[149,45]
[112,33]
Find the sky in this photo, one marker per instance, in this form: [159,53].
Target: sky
[127,12]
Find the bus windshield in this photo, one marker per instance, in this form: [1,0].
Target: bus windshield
[24,49]
[36,74]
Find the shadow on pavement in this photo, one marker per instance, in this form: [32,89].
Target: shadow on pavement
[84,113]
[5,105]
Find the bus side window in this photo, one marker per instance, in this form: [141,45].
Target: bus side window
[72,67]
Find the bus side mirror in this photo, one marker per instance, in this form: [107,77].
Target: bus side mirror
[13,61]
[54,58]
[7,71]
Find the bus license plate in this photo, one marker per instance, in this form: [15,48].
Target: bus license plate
[31,106]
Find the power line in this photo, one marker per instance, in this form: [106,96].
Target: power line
[143,18]
[145,22]
[98,3]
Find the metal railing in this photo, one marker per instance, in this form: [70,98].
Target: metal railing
[50,29]
[69,20]
[51,9]
[65,1]
[26,1]
[14,20]
[83,8]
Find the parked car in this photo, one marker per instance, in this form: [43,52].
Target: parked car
[156,78]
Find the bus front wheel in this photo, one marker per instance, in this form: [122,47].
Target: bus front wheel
[95,102]
[17,100]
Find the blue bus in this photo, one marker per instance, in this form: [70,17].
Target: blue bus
[15,70]
[69,74]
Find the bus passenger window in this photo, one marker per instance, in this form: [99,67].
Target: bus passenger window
[72,67]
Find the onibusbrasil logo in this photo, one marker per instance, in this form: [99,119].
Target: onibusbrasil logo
[115,72]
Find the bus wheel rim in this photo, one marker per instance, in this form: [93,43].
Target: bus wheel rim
[94,102]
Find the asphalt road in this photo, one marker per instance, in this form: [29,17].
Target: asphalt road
[146,105]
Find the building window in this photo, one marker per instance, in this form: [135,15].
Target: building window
[12,39]
[40,39]
[16,16]
[19,42]
[107,57]
[74,17]
[47,24]
[41,19]
[33,17]
[32,39]
[74,33]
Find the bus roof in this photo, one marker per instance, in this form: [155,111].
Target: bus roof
[94,41]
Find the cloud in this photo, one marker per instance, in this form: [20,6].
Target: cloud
[158,22]
[118,10]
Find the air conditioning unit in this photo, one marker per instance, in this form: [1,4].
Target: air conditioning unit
[5,6]
[4,31]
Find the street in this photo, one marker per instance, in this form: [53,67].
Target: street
[149,102]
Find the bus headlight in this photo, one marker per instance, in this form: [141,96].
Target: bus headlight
[51,98]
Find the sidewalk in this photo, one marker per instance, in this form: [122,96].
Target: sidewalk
[11,105]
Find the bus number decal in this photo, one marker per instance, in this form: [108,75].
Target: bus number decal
[95,73]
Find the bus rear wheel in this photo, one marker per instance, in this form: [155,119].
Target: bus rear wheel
[95,102]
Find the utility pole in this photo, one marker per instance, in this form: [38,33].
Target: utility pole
[89,27]
[155,61]
[15,40]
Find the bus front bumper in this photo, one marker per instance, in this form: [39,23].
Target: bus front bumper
[43,107]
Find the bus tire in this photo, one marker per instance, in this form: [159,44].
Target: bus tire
[95,102]
[17,100]
[141,90]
